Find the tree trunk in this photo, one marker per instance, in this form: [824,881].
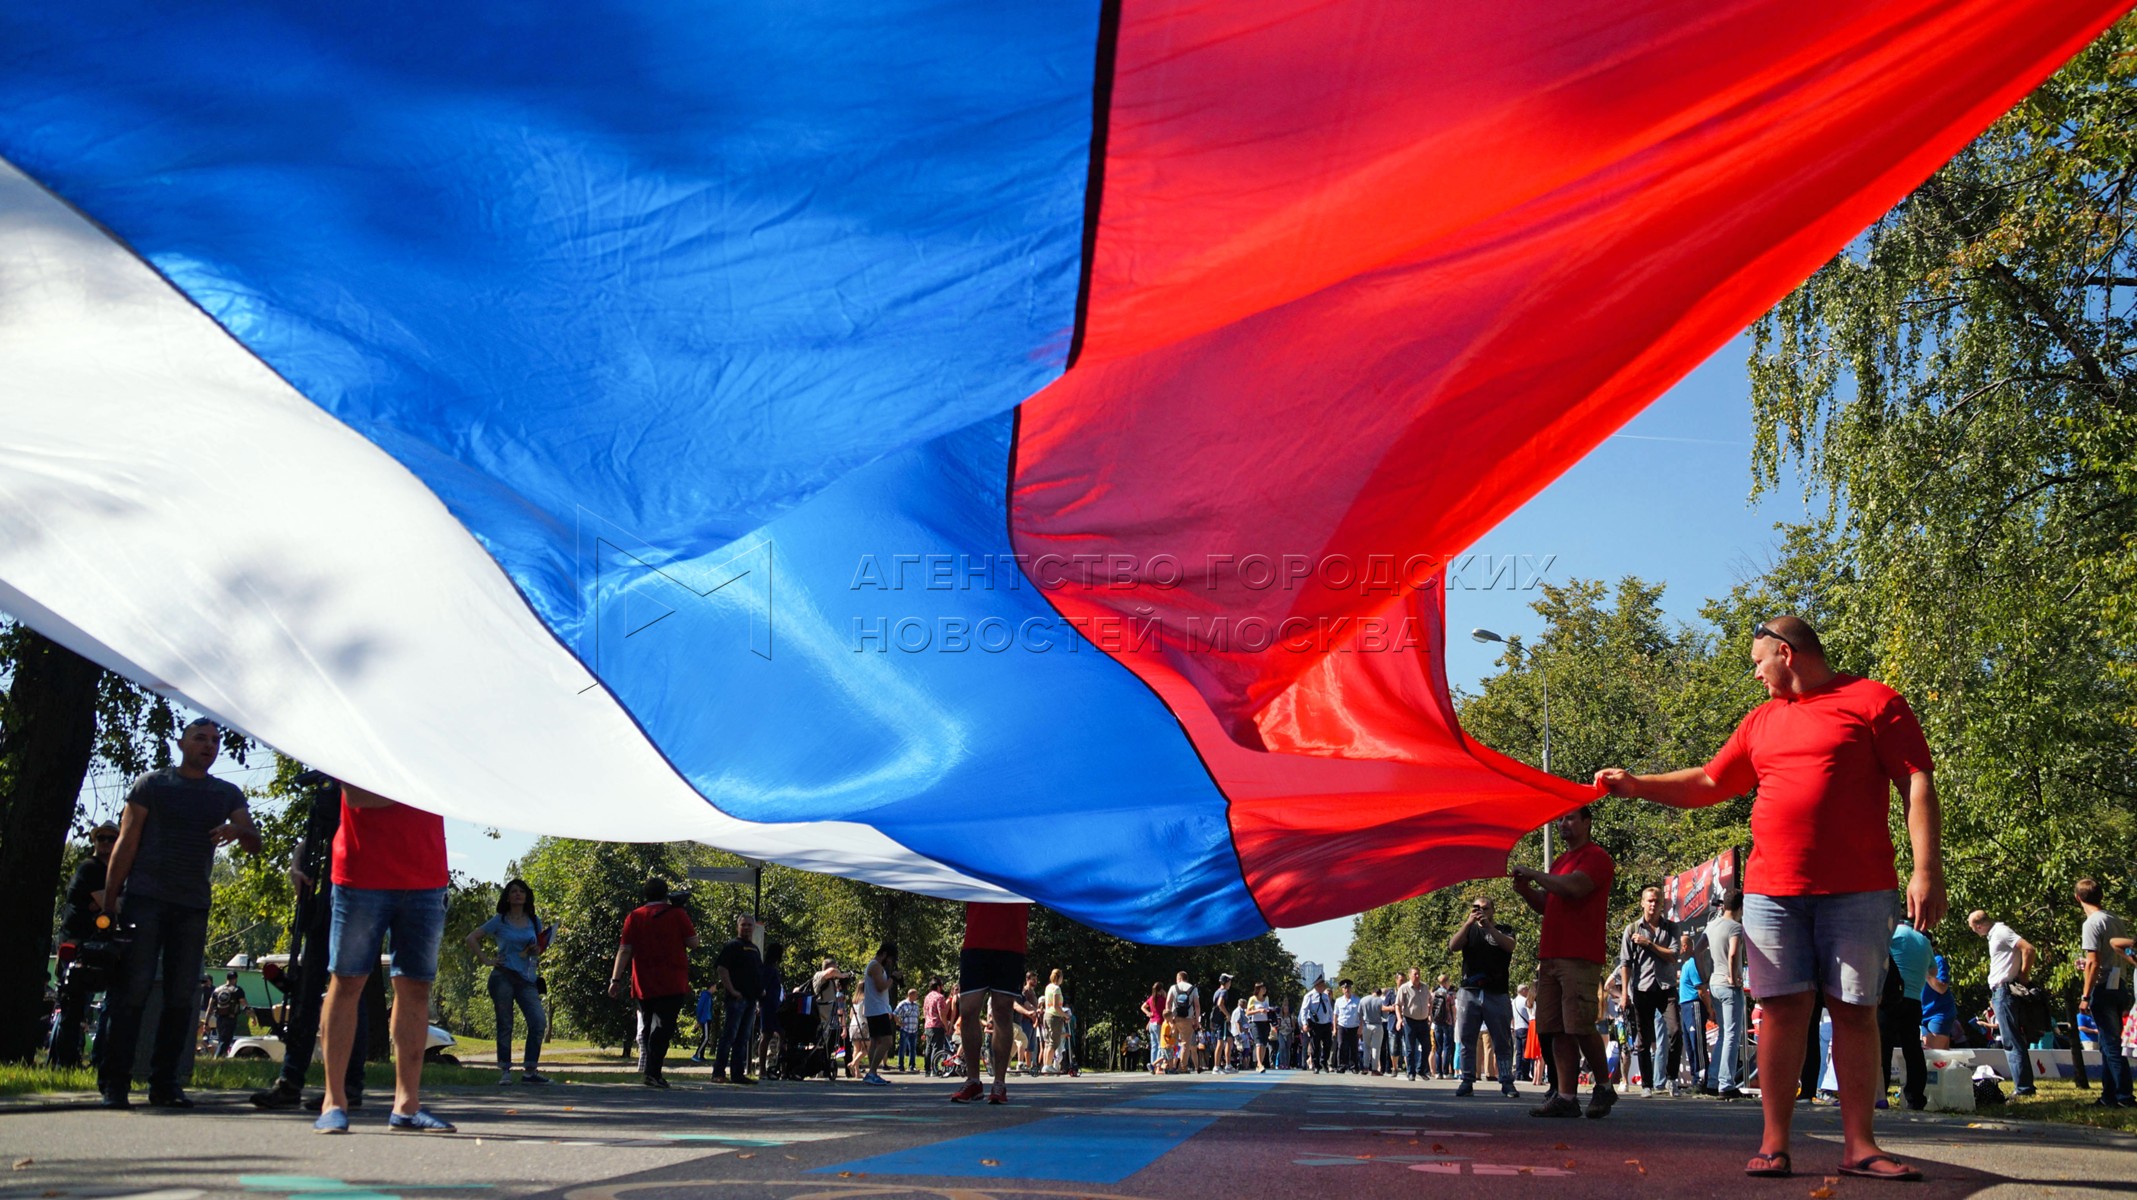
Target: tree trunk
[51,705]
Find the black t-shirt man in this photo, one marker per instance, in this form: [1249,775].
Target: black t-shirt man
[79,919]
[1484,965]
[740,959]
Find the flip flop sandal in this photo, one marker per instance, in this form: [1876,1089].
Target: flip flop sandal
[1861,1169]
[1770,1166]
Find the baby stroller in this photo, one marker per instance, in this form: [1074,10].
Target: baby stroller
[801,1050]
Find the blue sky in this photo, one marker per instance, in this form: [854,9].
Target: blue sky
[1665,499]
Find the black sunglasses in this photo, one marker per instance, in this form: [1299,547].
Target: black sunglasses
[105,837]
[1760,630]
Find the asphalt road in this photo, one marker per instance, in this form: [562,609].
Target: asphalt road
[1098,1136]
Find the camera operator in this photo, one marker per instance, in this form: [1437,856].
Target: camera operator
[77,924]
[175,818]
[309,949]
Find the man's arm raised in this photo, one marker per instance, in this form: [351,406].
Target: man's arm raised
[1689,788]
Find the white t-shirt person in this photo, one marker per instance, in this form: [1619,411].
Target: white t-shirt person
[2003,954]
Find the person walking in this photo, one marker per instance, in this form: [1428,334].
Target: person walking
[1350,1015]
[1155,1019]
[1482,1001]
[771,994]
[1647,964]
[311,879]
[1442,1028]
[1413,1016]
[1258,1019]
[390,879]
[1371,1027]
[1053,1013]
[1026,1012]
[908,1017]
[228,1005]
[2011,962]
[515,980]
[1725,944]
[1317,1017]
[989,968]
[1823,755]
[653,961]
[737,983]
[1899,1014]
[77,924]
[831,1008]
[1183,1007]
[878,978]
[1574,900]
[157,880]
[2104,939]
[934,1016]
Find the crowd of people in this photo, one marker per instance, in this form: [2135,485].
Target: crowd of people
[1821,947]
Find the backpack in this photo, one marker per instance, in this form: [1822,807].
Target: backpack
[1183,1003]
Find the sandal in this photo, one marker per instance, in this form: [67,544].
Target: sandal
[1860,1168]
[1770,1166]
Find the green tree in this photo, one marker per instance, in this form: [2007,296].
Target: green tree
[1958,387]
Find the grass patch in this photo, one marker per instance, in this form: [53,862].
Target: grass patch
[2062,1100]
[239,1074]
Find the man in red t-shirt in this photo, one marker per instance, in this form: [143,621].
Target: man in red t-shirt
[990,971]
[1824,753]
[389,889]
[655,948]
[1574,898]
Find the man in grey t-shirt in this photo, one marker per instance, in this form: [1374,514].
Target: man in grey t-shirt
[175,819]
[2105,940]
[1726,945]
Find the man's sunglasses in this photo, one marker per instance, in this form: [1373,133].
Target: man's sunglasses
[1760,630]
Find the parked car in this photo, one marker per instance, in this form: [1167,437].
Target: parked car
[438,1048]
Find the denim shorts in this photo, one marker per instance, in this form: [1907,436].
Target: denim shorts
[363,919]
[1837,944]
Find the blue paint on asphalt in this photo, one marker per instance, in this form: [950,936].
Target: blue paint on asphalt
[1098,1147]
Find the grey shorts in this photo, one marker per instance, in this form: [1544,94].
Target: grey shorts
[1837,944]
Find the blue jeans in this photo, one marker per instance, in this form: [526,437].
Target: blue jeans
[1692,1015]
[365,917]
[2108,1009]
[908,1048]
[508,988]
[735,1038]
[1442,1049]
[1725,1068]
[1414,1048]
[2013,1036]
[1494,1011]
[172,938]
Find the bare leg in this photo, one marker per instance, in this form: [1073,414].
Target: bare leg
[344,998]
[1002,1035]
[411,1033]
[1784,1033]
[1856,1049]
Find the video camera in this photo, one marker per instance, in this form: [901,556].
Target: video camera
[92,964]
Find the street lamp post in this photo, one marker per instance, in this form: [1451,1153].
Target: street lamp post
[1486,635]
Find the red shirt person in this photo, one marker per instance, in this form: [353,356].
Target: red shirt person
[990,972]
[1825,754]
[1574,898]
[390,879]
[655,949]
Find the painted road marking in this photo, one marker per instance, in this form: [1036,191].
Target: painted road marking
[1098,1147]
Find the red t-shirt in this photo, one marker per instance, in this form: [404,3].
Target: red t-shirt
[660,961]
[1824,765]
[395,848]
[1579,928]
[996,926]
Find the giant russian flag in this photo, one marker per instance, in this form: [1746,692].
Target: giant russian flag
[977,446]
